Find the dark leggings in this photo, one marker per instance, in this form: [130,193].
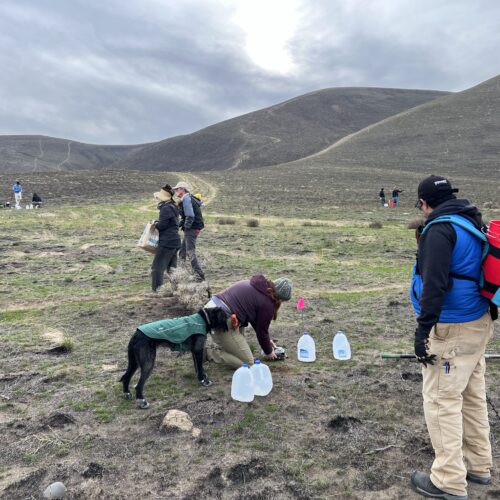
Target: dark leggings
[164,260]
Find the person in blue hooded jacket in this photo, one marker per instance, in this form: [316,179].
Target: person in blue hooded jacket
[454,324]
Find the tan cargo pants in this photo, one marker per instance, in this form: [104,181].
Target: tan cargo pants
[233,349]
[455,408]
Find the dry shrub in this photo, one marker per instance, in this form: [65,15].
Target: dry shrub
[225,221]
[189,292]
[415,223]
[252,223]
[375,225]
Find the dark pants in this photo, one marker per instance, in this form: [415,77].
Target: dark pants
[188,249]
[165,259]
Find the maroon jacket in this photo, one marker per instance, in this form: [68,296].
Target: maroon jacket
[248,300]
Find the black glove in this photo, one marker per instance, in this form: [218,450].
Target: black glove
[421,345]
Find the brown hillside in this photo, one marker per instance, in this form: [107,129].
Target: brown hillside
[285,132]
[32,153]
[454,134]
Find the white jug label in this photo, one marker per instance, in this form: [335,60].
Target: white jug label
[304,353]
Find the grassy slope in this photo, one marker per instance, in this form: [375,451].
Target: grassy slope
[74,269]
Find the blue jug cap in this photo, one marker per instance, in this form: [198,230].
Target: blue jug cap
[257,362]
[244,365]
[306,333]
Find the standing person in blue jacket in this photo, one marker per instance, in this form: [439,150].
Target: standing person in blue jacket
[454,324]
[192,224]
[17,189]
[169,241]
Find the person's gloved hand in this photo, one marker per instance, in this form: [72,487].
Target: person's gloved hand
[421,345]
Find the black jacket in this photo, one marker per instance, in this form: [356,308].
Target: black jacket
[434,259]
[189,222]
[168,225]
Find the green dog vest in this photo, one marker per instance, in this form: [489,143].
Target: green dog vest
[176,330]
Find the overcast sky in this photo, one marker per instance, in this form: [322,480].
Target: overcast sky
[134,71]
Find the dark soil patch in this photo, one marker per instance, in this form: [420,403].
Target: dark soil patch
[58,420]
[58,351]
[94,470]
[242,473]
[412,377]
[343,424]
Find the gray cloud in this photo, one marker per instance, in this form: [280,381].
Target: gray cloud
[143,70]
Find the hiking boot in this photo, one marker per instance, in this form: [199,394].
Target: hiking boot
[423,485]
[474,478]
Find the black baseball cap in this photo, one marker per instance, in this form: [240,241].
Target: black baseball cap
[435,190]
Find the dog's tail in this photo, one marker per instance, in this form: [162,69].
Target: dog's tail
[132,361]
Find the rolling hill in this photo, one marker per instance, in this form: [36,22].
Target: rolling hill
[281,133]
[455,134]
[31,153]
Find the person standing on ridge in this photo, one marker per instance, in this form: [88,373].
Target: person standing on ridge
[17,189]
[192,224]
[395,195]
[454,324]
[169,240]
[382,196]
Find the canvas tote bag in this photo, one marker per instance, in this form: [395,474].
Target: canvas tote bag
[149,238]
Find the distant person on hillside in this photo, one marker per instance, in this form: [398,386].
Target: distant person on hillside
[169,241]
[36,200]
[192,224]
[454,325]
[382,196]
[395,195]
[255,301]
[17,189]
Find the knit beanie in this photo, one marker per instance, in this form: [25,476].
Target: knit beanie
[283,288]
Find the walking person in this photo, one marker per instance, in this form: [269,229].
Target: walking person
[454,324]
[192,224]
[395,195]
[169,242]
[17,189]
[256,302]
[382,196]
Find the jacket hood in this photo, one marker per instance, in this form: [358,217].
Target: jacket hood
[259,282]
[461,207]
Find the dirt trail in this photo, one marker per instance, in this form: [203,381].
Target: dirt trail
[208,190]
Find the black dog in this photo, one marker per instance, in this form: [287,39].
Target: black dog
[142,352]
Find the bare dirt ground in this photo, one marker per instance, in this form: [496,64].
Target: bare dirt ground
[74,288]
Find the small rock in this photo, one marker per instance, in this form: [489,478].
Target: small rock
[55,490]
[180,420]
[332,398]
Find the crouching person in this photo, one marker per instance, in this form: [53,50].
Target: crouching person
[256,302]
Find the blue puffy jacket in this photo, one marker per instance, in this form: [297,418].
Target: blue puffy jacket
[445,278]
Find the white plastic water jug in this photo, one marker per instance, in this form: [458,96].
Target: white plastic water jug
[242,385]
[262,378]
[306,349]
[341,347]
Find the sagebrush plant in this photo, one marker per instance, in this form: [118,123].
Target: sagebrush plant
[253,223]
[375,225]
[415,223]
[226,221]
[189,292]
